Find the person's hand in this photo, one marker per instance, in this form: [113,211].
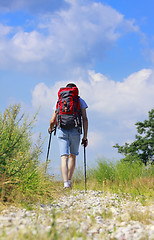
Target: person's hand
[84,142]
[49,130]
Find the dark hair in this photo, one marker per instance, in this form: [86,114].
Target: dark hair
[70,85]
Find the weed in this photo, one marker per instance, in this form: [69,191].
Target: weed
[143,217]
[106,214]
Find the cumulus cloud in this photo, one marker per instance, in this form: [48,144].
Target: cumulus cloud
[73,37]
[45,97]
[125,100]
[4,30]
[132,96]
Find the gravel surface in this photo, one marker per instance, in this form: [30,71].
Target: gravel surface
[94,215]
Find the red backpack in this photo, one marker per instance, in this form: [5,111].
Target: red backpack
[68,108]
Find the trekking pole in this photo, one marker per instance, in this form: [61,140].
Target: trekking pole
[85,173]
[54,130]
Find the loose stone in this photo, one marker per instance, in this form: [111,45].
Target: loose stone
[96,215]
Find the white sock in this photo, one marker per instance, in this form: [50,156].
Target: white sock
[69,182]
[66,184]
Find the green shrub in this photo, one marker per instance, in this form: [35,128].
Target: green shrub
[19,156]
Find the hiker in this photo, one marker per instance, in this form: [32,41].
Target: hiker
[69,128]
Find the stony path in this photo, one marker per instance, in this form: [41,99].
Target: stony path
[76,215]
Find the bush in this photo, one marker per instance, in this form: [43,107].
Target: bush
[19,156]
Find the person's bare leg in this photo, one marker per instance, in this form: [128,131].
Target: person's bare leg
[64,168]
[71,165]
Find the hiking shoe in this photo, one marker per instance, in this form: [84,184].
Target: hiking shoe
[70,185]
[66,189]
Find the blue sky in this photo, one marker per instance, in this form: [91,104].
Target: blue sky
[105,47]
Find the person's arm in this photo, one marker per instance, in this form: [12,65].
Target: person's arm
[85,126]
[52,121]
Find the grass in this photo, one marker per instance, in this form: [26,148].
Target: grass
[143,217]
[106,214]
[122,178]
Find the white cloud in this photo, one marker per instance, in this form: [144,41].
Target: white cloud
[73,37]
[30,47]
[4,30]
[85,31]
[131,97]
[45,97]
[119,100]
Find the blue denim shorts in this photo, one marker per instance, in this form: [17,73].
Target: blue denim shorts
[69,141]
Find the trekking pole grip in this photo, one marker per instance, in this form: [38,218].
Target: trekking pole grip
[84,142]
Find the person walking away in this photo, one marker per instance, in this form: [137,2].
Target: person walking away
[69,115]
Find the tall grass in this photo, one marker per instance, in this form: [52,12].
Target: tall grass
[21,172]
[120,171]
[122,177]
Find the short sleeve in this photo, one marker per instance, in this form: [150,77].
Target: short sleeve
[83,104]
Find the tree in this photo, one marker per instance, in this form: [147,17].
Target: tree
[143,147]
